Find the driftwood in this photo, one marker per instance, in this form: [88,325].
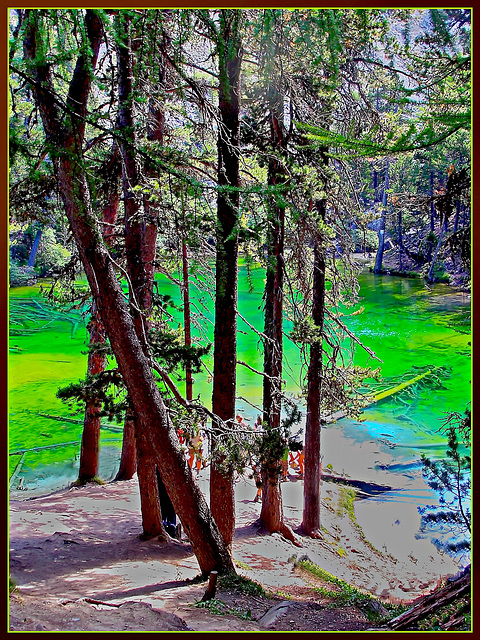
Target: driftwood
[212,587]
[370,488]
[425,605]
[18,468]
[101,602]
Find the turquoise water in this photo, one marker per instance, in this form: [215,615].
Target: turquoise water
[403,322]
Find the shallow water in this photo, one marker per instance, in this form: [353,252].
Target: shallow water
[403,322]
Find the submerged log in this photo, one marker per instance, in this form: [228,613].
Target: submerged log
[365,486]
[18,468]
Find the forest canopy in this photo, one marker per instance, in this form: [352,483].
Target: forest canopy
[177,141]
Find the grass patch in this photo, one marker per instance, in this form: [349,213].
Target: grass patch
[242,585]
[12,586]
[459,609]
[345,503]
[95,480]
[219,608]
[242,565]
[344,593]
[346,507]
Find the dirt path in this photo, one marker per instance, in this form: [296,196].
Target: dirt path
[77,548]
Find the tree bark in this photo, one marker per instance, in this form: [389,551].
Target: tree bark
[271,515]
[128,460]
[152,523]
[140,244]
[33,252]
[400,241]
[426,605]
[89,450]
[313,466]
[207,543]
[90,447]
[187,323]
[428,255]
[222,493]
[381,232]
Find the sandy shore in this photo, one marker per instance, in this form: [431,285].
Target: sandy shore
[83,543]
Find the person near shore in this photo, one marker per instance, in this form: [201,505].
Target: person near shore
[195,451]
[301,462]
[257,476]
[296,457]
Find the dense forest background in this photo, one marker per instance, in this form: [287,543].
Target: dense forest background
[180,141]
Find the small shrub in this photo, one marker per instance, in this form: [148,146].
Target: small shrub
[12,586]
[241,584]
[219,608]
[344,594]
[52,256]
[370,239]
[21,275]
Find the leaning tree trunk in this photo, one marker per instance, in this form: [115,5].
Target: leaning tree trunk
[188,501]
[67,136]
[222,493]
[313,466]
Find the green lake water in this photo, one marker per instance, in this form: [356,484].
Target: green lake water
[403,322]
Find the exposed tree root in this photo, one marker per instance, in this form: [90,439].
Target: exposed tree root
[287,533]
[312,533]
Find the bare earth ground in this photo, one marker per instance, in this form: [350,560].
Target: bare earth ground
[74,549]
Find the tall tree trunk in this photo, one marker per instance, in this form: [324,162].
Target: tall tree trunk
[428,255]
[222,493]
[187,323]
[90,447]
[89,450]
[446,203]
[67,136]
[152,521]
[313,466]
[381,231]
[457,217]
[128,460]
[33,253]
[400,240]
[271,515]
[140,244]
[430,276]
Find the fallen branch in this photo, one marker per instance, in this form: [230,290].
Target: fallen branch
[369,488]
[106,604]
[427,604]
[18,468]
